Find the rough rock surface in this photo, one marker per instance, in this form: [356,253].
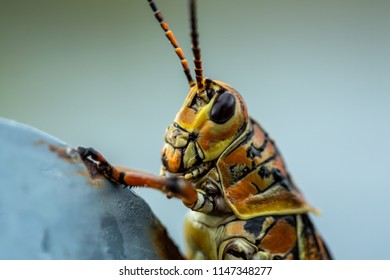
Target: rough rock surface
[50,208]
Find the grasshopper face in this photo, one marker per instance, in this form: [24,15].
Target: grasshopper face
[204,127]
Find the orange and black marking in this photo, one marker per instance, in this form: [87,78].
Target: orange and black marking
[172,39]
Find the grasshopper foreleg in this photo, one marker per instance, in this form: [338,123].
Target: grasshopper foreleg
[171,186]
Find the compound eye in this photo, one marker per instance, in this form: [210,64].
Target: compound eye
[223,108]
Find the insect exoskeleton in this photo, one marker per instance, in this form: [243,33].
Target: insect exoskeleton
[238,173]
[224,167]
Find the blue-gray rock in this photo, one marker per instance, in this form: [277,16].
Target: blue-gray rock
[50,208]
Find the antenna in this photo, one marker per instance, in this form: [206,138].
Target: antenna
[196,48]
[172,39]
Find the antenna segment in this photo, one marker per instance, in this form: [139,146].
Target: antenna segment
[196,48]
[172,39]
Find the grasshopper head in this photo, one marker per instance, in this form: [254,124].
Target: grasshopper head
[204,127]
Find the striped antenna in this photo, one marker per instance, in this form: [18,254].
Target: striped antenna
[196,48]
[173,41]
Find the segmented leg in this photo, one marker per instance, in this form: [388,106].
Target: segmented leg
[171,186]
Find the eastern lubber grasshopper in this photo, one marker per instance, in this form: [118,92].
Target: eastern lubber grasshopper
[224,167]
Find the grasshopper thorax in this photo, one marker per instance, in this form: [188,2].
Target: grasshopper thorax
[206,124]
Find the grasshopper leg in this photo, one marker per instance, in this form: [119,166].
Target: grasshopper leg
[171,186]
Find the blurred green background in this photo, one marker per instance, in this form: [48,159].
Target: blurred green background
[314,73]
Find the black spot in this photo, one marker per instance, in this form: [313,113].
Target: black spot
[290,220]
[210,93]
[193,136]
[277,175]
[252,152]
[255,225]
[172,183]
[121,178]
[263,172]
